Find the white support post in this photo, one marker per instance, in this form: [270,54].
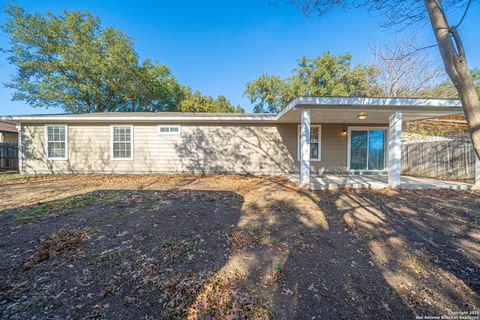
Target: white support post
[305,149]
[477,172]
[395,149]
[20,148]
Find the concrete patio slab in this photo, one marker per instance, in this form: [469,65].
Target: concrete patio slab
[377,181]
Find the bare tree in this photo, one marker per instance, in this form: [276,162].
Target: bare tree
[407,12]
[402,70]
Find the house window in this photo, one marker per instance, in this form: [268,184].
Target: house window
[56,141]
[122,142]
[169,129]
[315,142]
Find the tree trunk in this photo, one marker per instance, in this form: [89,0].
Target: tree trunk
[97,101]
[87,100]
[457,68]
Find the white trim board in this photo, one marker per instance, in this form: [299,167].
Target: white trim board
[390,104]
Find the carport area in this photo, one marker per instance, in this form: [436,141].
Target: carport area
[377,181]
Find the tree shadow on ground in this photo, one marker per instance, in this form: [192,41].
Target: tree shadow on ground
[388,254]
[143,253]
[425,245]
[304,255]
[307,264]
[438,226]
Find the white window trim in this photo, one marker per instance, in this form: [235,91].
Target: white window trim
[111,142]
[319,142]
[46,141]
[349,148]
[169,126]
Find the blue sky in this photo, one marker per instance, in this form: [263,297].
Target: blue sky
[218,46]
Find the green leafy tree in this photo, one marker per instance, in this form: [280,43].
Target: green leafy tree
[269,93]
[446,89]
[70,61]
[325,75]
[196,102]
[152,87]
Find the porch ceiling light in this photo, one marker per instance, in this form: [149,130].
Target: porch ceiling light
[362,116]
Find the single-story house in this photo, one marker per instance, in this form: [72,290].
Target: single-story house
[8,132]
[311,135]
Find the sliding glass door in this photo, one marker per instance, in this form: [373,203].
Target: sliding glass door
[367,149]
[358,150]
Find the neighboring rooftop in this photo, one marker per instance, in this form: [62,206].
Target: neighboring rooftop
[8,126]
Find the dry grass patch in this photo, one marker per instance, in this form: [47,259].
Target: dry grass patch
[220,298]
[55,244]
[239,240]
[207,295]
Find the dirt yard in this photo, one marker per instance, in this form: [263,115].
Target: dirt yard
[227,247]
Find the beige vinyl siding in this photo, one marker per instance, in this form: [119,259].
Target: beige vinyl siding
[334,149]
[240,148]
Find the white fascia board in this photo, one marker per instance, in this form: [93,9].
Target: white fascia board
[68,118]
[389,104]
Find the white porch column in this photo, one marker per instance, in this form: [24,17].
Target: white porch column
[305,149]
[477,173]
[394,149]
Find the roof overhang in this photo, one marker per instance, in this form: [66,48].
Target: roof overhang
[379,110]
[323,110]
[171,117]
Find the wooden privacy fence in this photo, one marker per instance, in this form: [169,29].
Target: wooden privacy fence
[446,160]
[8,157]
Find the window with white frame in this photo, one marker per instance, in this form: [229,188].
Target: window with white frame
[169,129]
[315,142]
[56,141]
[122,142]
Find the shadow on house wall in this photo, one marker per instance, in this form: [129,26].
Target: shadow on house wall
[247,149]
[241,149]
[88,156]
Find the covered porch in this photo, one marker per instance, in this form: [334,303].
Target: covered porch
[373,129]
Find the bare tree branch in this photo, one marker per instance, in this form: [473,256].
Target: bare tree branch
[403,72]
[464,14]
